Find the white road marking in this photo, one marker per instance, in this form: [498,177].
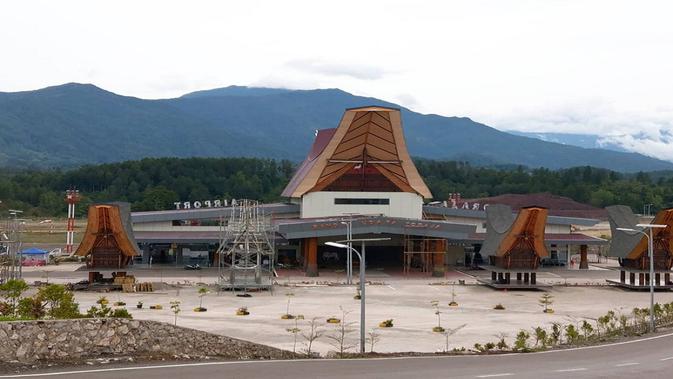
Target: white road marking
[495,375]
[627,364]
[391,287]
[598,346]
[666,359]
[475,357]
[572,369]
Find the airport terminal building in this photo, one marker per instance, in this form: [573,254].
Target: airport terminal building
[359,173]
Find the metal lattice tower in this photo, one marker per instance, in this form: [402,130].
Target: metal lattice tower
[10,243]
[246,252]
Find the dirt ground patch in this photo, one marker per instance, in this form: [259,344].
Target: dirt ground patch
[407,302]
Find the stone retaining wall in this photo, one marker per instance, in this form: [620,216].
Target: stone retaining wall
[31,341]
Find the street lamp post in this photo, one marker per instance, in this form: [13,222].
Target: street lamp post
[362,288]
[650,251]
[362,278]
[349,254]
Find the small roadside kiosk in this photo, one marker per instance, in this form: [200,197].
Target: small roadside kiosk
[514,246]
[631,248]
[108,242]
[35,257]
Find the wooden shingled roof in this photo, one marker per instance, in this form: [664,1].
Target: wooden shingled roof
[506,233]
[108,226]
[662,238]
[527,232]
[633,245]
[367,136]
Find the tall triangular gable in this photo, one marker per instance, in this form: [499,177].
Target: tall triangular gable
[366,137]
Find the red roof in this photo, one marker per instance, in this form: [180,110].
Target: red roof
[557,205]
[321,140]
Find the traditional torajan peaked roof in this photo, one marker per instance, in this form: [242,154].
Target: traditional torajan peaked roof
[367,138]
[633,245]
[108,227]
[522,236]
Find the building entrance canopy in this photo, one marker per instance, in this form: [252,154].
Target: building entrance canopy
[328,227]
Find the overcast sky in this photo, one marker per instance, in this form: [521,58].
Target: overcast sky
[603,67]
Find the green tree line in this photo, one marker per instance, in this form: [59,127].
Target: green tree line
[156,183]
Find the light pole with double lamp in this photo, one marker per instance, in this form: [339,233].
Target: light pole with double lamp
[650,252]
[362,279]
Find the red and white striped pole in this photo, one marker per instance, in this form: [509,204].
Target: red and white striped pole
[72,198]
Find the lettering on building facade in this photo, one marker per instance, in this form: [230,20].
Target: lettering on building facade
[204,204]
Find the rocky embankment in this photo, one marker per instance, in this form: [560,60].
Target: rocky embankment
[72,340]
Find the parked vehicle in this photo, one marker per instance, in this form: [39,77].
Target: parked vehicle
[552,262]
[57,253]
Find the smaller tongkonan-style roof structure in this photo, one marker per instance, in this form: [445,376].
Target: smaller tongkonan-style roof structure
[368,143]
[515,242]
[108,241]
[631,247]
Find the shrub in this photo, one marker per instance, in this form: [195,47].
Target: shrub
[313,333]
[60,302]
[121,313]
[339,338]
[502,344]
[31,308]
[555,336]
[572,335]
[203,291]
[499,307]
[102,312]
[386,323]
[587,329]
[12,290]
[521,342]
[453,302]
[602,324]
[624,323]
[438,328]
[53,301]
[6,309]
[540,337]
[175,308]
[545,301]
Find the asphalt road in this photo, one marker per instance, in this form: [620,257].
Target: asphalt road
[650,357]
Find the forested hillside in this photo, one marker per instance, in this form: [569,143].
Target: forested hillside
[154,184]
[74,124]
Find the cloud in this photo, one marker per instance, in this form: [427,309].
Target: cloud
[648,131]
[320,67]
[407,100]
[661,148]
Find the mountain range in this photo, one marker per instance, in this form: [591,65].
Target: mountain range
[589,141]
[75,124]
